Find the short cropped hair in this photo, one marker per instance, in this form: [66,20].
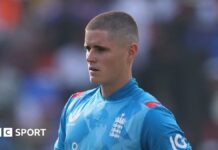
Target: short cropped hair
[119,24]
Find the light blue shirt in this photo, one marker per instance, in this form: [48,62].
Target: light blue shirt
[129,119]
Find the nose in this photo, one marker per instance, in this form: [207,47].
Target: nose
[90,56]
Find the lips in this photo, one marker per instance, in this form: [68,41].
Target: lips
[93,69]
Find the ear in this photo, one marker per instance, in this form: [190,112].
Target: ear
[133,48]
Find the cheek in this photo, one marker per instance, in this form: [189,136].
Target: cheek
[108,64]
[114,65]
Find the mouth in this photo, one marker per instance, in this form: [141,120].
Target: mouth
[93,69]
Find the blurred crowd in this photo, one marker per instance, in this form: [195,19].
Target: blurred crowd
[42,62]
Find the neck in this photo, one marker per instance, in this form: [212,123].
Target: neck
[110,88]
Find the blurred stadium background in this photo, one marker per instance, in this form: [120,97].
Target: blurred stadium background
[42,62]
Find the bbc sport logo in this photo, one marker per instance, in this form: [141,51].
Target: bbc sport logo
[6,132]
[10,132]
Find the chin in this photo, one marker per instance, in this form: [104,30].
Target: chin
[94,80]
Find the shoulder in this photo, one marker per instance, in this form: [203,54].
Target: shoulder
[156,115]
[160,129]
[159,116]
[150,107]
[146,100]
[79,97]
[83,94]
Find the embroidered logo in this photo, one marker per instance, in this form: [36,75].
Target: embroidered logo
[117,126]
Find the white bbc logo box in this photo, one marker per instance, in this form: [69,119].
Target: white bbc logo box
[6,132]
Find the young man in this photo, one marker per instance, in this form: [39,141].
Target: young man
[117,115]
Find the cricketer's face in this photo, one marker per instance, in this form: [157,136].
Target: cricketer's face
[107,61]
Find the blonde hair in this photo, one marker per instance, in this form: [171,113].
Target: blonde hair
[119,24]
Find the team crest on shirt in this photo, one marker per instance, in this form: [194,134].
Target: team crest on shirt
[73,117]
[117,126]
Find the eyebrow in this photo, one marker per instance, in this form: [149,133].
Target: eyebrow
[97,46]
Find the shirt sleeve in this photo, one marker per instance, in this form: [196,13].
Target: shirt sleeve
[59,144]
[161,131]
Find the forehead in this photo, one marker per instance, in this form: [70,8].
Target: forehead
[97,37]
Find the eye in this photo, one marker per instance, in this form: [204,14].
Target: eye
[87,48]
[101,49]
